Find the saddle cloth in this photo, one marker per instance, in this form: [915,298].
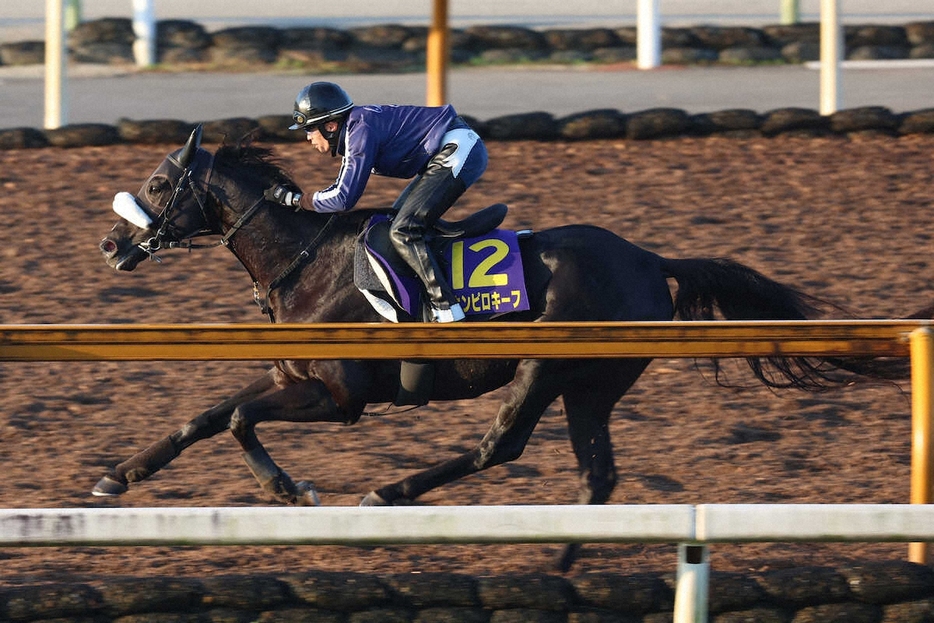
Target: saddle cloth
[484,271]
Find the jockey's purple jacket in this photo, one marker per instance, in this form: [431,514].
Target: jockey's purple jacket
[395,141]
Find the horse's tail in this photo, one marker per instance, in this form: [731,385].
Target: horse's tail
[712,289]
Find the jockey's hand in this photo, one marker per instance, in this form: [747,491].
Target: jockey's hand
[283,195]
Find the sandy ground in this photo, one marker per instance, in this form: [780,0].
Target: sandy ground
[848,220]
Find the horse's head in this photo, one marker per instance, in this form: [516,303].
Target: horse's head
[168,210]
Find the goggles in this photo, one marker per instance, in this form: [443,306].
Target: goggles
[304,122]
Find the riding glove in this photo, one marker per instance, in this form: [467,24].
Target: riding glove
[283,195]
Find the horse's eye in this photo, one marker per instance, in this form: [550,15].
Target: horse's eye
[157,186]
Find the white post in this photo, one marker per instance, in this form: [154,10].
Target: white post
[831,50]
[72,14]
[693,584]
[790,12]
[648,35]
[144,27]
[55,64]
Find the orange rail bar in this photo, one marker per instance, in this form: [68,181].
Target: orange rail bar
[891,338]
[154,342]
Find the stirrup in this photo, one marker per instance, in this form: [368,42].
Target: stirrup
[454,314]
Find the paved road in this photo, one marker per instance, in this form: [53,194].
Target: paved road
[101,95]
[23,20]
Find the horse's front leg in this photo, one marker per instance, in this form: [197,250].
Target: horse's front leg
[305,401]
[215,420]
[536,385]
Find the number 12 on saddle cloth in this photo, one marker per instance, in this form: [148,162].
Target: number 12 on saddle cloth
[486,273]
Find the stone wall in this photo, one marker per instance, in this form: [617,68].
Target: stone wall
[395,47]
[879,592]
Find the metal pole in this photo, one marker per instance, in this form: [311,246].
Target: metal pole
[693,584]
[55,58]
[790,12]
[922,412]
[72,14]
[436,60]
[648,35]
[831,47]
[144,27]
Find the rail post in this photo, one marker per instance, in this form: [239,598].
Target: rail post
[648,35]
[144,27]
[790,12]
[56,63]
[922,412]
[831,51]
[436,55]
[72,14]
[693,583]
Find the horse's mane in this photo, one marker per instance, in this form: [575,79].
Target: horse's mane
[256,163]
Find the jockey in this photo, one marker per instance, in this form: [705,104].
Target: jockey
[431,145]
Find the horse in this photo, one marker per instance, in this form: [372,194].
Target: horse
[302,266]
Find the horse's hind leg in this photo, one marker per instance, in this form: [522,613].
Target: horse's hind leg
[146,463]
[536,385]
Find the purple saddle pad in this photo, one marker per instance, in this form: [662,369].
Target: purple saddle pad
[484,271]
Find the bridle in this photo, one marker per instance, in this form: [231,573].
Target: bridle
[187,182]
[158,241]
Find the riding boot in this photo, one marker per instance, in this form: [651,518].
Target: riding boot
[419,207]
[422,261]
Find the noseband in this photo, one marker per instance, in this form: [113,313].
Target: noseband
[187,162]
[188,182]
[185,182]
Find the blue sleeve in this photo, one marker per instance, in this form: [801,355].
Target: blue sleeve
[356,166]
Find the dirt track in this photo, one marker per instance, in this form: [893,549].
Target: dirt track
[849,220]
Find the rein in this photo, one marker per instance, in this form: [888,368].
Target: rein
[187,182]
[225,239]
[304,254]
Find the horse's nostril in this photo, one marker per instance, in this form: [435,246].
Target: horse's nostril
[108,246]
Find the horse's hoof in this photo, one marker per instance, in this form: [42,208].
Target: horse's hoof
[108,486]
[374,499]
[306,494]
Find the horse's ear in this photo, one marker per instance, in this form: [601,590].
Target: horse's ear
[188,151]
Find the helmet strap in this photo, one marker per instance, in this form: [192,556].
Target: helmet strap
[333,138]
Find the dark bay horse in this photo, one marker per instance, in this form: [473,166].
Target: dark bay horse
[302,268]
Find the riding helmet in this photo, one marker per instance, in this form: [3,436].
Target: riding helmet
[317,103]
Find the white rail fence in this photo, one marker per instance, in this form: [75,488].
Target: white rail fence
[693,527]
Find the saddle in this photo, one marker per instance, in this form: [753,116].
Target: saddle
[482,264]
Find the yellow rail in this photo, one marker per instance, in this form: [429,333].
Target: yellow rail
[890,338]
[154,342]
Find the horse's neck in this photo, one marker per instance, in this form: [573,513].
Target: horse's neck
[268,240]
[280,249]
